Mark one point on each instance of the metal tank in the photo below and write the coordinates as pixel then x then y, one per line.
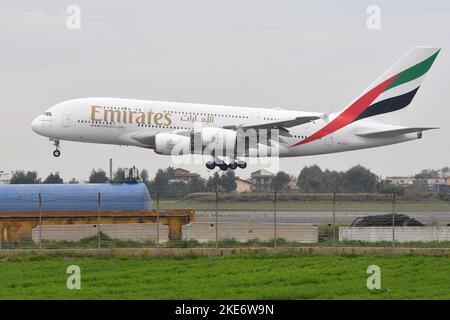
pixel 74 197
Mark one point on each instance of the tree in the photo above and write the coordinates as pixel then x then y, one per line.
pixel 359 179
pixel 332 181
pixel 310 179
pixel 144 176
pixel 176 189
pixel 160 184
pixel 196 184
pixel 119 174
pixel 389 188
pixel 73 181
pixel 53 178
pixel 30 177
pixel 427 174
pixel 280 181
pixel 212 185
pixel 228 181
pixel 98 176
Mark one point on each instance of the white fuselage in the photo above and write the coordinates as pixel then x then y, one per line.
pixel 116 121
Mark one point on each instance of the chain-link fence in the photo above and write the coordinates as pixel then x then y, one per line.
pixel 236 220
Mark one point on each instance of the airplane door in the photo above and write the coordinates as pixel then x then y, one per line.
pixel 66 120
pixel 256 117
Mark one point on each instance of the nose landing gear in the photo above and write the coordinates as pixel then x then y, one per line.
pixel 56 152
pixel 234 164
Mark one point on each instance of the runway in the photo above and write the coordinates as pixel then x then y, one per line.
pixel 316 217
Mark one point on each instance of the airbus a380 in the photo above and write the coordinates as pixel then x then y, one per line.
pixel 171 128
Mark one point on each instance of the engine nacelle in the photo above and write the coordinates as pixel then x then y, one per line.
pixel 172 144
pixel 218 141
pixel 208 141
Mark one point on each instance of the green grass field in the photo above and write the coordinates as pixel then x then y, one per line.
pixel 280 276
pixel 294 205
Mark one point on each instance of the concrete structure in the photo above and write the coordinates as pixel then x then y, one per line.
pixel 18 226
pixel 182 175
pixel 76 232
pixel 402 234
pixel 402 181
pixel 243 185
pixel 5 177
pixel 74 197
pixel 292 185
pixel 247 231
pixel 261 180
pixel 438 181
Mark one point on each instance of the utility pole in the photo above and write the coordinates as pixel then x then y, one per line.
pixel 334 219
pixel 110 169
pixel 40 221
pixel 275 218
pixel 393 219
pixel 98 213
pixel 217 218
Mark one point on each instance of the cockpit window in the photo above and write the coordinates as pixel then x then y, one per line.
pixel 48 114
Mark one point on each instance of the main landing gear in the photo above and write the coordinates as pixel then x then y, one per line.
pixel 56 152
pixel 224 166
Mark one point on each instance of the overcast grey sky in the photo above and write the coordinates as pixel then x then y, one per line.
pixel 300 55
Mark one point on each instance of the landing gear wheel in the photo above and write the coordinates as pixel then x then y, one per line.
pixel 233 165
pixel 223 166
pixel 56 153
pixel 210 165
pixel 242 164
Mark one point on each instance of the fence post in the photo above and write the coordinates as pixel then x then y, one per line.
pixel 157 228
pixel 275 218
pixel 334 219
pixel 393 219
pixel 217 219
pixel 98 224
pixel 40 220
pixel 157 219
pixel 157 201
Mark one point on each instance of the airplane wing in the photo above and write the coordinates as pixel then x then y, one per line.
pixel 391 133
pixel 275 124
pixel 148 138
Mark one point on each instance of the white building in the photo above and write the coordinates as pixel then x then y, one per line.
pixel 435 182
pixel 401 181
pixel 5 177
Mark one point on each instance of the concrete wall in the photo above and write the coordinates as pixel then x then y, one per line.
pixel 243 232
pixel 402 234
pixel 76 232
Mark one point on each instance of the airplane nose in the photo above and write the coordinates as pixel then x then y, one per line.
pixel 36 124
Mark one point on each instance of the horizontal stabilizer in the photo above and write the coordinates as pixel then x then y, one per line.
pixel 391 133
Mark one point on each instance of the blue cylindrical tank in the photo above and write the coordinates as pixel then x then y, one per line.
pixel 74 197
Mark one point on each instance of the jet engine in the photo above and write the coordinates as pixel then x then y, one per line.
pixel 208 141
pixel 172 144
pixel 218 141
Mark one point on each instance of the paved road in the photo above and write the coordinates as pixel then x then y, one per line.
pixel 318 217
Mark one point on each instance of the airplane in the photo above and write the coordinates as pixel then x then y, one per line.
pixel 172 128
